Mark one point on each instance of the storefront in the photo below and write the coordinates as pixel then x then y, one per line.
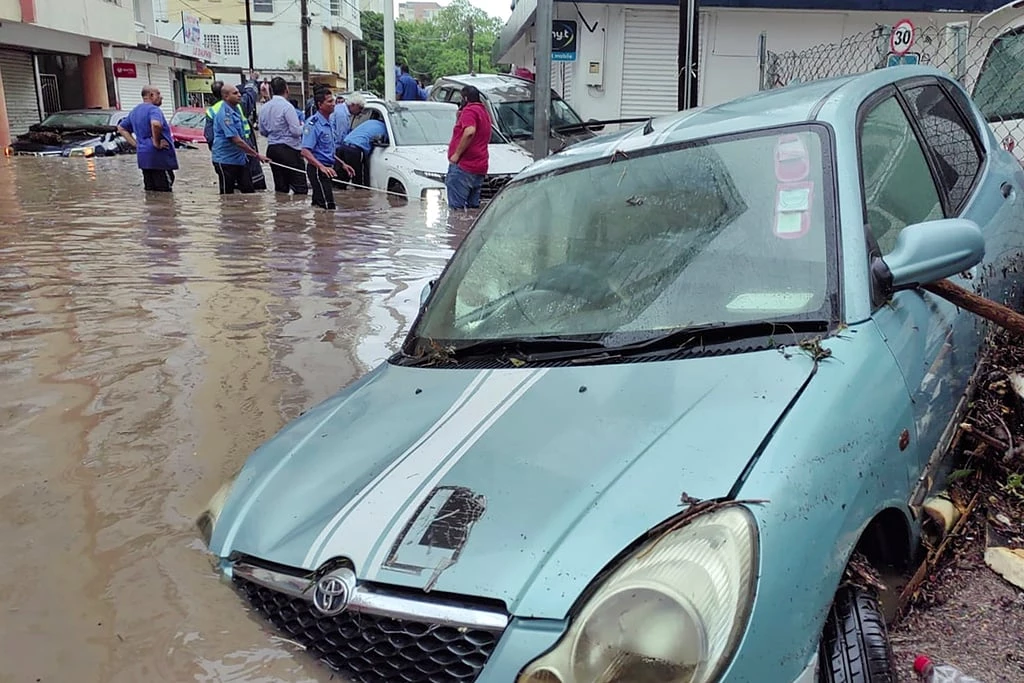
pixel 133 69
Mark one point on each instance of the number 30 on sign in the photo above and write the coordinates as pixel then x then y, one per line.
pixel 902 37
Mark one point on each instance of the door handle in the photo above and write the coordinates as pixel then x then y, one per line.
pixel 1006 189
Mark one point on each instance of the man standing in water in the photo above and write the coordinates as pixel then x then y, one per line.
pixel 318 149
pixel 146 129
pixel 280 123
pixel 231 152
pixel 467 152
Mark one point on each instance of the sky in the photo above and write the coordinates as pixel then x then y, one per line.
pixel 496 8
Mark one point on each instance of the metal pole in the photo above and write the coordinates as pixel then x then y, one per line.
pixel 350 74
pixel 304 28
pixel 389 50
pixel 248 32
pixel 542 79
pixel 689 17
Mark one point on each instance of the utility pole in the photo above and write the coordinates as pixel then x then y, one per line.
pixel 304 21
pixel 469 29
pixel 389 50
pixel 248 33
pixel 542 79
pixel 689 18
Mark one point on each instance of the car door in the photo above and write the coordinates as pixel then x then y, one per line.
pixel 380 162
pixel 922 159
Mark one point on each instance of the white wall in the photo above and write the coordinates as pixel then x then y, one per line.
pixel 729 56
pixel 96 19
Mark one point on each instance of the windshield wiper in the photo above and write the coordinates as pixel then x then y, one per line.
pixel 519 348
pixel 686 337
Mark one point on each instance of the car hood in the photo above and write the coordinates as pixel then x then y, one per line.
pixel 503 159
pixel 515 484
pixel 40 141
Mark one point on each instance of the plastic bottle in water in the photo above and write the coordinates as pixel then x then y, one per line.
pixel 930 672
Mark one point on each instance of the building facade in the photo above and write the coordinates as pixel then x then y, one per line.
pixel 625 59
pixel 418 11
pixel 276 37
pixel 63 54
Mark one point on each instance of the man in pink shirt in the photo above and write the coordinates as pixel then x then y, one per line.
pixel 467 152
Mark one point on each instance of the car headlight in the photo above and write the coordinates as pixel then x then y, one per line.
pixel 437 177
pixel 208 520
pixel 672 612
pixel 82 152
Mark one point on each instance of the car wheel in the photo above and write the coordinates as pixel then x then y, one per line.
pixel 396 187
pixel 855 644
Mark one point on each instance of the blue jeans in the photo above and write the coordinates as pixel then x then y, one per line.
pixel 463 188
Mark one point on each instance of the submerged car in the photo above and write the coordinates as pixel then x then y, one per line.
pixel 509 100
pixel 74 132
pixel 187 125
pixel 670 383
pixel 414 159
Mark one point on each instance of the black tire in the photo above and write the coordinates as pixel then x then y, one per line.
pixel 855 643
pixel 397 187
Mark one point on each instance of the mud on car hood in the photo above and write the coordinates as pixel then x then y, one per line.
pixel 513 484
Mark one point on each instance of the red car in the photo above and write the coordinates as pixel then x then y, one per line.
pixel 187 124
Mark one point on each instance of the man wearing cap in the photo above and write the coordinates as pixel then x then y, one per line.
pixel 467 152
pixel 318 149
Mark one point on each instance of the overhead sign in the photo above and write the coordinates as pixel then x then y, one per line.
pixel 902 37
pixel 563 40
pixel 124 70
pixel 191 33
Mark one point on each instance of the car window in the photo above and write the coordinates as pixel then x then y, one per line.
pixel 423 126
pixel 82 119
pixel 895 177
pixel 454 96
pixel 951 139
pixel 188 119
pixel 999 92
pixel 713 232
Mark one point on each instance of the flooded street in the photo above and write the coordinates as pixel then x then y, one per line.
pixel 147 345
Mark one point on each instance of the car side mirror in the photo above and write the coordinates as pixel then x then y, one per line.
pixel 425 292
pixel 596 128
pixel 933 250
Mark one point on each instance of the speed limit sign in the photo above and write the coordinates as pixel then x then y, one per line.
pixel 902 37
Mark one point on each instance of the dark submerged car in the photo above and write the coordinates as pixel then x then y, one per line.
pixel 74 132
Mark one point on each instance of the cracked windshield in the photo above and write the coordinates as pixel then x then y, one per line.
pixel 327 355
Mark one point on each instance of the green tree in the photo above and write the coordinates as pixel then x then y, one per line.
pixel 434 48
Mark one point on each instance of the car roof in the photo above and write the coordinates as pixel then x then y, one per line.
pixel 393 106
pixel 790 105
pixel 505 86
pixel 198 110
pixel 87 111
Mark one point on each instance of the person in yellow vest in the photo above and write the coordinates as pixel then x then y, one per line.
pixel 256 170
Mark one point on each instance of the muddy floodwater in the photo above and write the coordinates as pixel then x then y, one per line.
pixel 147 345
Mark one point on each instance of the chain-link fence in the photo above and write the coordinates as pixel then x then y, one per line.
pixel 986 61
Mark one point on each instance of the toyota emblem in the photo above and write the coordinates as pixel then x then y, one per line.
pixel 334 591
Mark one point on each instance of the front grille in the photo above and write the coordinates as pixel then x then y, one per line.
pixel 372 649
pixel 492 184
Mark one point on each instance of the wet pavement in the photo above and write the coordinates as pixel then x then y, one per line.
pixel 147 345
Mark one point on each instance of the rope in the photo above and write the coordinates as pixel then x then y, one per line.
pixel 345 182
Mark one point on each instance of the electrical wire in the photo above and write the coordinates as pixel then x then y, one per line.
pixel 345 182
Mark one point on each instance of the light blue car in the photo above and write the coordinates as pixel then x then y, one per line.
pixel 673 379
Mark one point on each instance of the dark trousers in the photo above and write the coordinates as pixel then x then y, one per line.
pixel 234 176
pixel 356 158
pixel 284 178
pixel 157 180
pixel 322 186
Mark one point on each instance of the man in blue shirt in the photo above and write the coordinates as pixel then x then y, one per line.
pixel 407 88
pixel 231 152
pixel 318 149
pixel 281 125
pixel 357 146
pixel 146 129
